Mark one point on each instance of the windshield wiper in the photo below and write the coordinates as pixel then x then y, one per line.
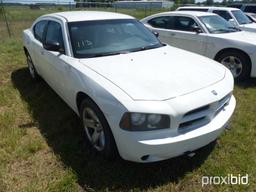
pixel 124 51
pixel 235 28
pixel 221 30
pixel 147 47
pixel 102 54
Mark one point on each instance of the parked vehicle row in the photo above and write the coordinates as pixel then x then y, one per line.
pixel 209 35
pixel 249 8
pixel 233 15
pixel 135 95
pixel 251 16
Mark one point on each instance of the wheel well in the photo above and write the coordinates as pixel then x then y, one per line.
pixel 230 50
pixel 79 99
pixel 80 96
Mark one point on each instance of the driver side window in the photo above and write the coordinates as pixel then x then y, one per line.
pixel 54 34
pixel 183 23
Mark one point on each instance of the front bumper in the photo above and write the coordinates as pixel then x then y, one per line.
pixel 163 144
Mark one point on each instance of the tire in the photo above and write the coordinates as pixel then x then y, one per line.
pixel 238 63
pixel 105 145
pixel 32 70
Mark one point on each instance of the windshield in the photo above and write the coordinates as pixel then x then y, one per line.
pixel 241 17
pixel 110 37
pixel 216 24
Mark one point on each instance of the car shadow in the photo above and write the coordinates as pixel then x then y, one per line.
pixel 63 132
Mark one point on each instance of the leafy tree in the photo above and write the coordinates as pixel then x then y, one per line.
pixel 209 2
pixel 177 2
pixel 224 2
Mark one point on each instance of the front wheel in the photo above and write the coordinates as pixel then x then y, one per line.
pixel 98 133
pixel 237 62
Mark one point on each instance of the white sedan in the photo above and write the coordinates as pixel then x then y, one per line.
pixel 210 35
pixel 136 96
pixel 233 15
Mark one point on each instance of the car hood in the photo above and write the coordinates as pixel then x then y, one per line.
pixel 157 74
pixel 242 36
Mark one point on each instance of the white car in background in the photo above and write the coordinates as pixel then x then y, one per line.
pixel 235 16
pixel 210 35
pixel 251 16
pixel 136 96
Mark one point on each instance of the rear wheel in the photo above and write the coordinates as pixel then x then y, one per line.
pixel 31 68
pixel 237 62
pixel 97 130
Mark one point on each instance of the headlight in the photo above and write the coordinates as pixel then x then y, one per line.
pixel 144 121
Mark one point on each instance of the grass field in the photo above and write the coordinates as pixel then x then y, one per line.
pixel 42 146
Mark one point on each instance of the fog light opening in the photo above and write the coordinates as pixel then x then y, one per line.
pixel 144 157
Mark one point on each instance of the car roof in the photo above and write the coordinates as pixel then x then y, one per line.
pixel 219 8
pixel 192 13
pixel 73 16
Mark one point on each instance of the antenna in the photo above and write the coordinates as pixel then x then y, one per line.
pixel 5 18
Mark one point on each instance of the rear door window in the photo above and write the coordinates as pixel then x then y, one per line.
pixel 224 14
pixel 163 22
pixel 39 30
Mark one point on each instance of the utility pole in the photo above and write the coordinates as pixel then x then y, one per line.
pixel 5 18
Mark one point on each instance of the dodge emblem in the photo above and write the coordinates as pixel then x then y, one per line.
pixel 214 92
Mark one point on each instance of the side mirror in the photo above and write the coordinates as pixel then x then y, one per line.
pixel 155 33
pixel 232 22
pixel 52 46
pixel 197 29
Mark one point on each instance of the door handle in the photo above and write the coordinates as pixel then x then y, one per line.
pixel 42 52
pixel 173 34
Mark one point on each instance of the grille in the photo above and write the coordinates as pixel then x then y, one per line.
pixel 203 115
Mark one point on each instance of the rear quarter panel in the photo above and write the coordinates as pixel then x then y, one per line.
pixel 28 44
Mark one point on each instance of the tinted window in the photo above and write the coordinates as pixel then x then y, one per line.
pixel 250 9
pixel 39 30
pixel 184 23
pixel 161 22
pixel 54 33
pixel 193 9
pixel 223 14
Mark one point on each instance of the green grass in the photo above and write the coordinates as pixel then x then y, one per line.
pixel 42 146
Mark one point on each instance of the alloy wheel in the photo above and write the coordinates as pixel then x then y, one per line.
pixel 93 129
pixel 234 64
